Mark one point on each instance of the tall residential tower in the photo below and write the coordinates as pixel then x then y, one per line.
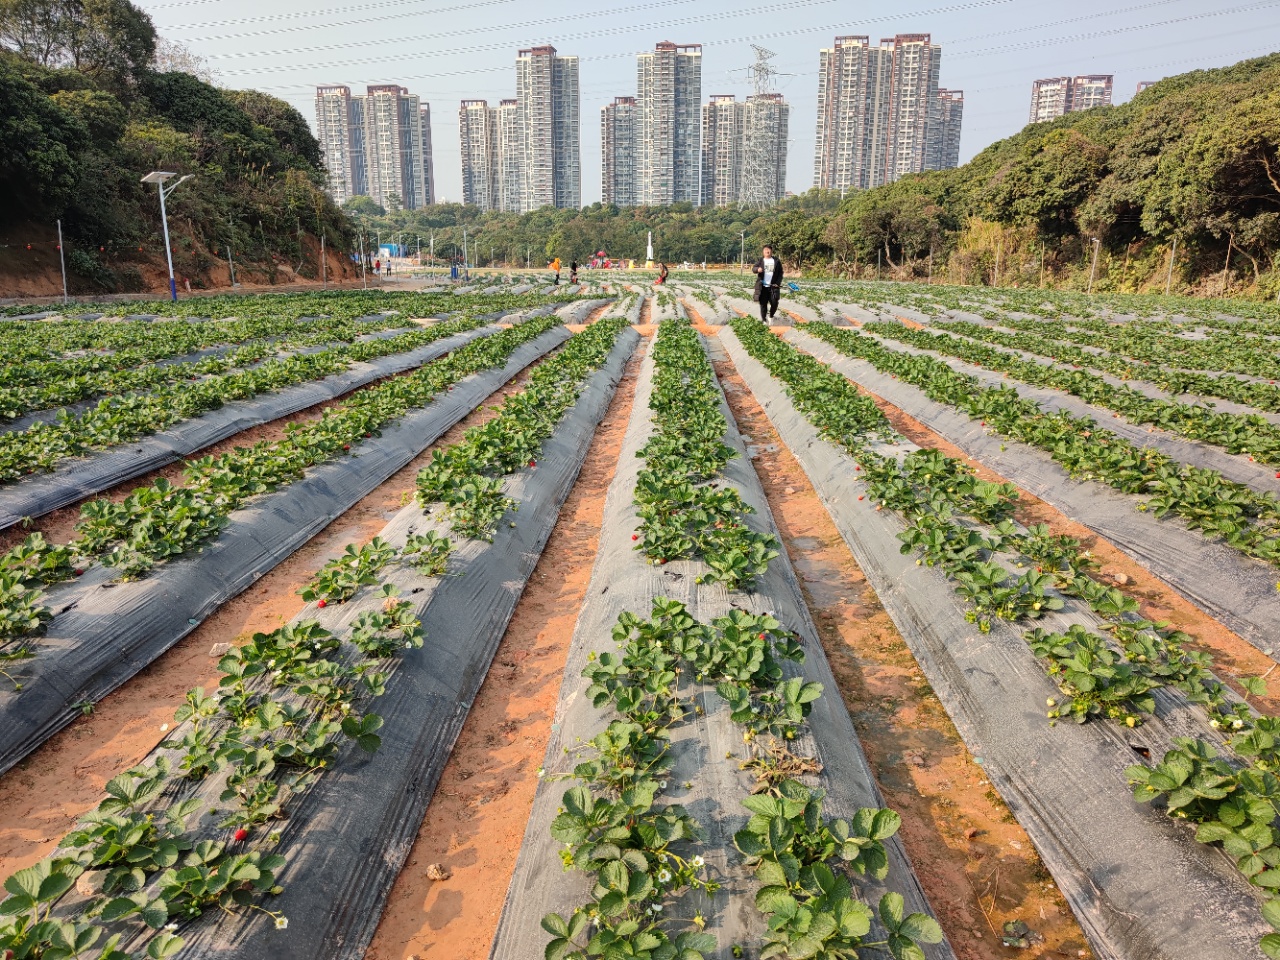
pixel 618 152
pixel 880 112
pixel 378 145
pixel 1053 97
pixel 668 118
pixel 548 117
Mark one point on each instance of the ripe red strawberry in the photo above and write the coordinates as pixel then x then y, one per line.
pixel 368 435
pixel 322 603
pixel 635 536
pixel 346 446
pixel 242 834
pixel 533 463
pixel 862 498
pixel 80 572
pixel 663 560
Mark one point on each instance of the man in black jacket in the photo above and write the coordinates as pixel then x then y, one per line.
pixel 768 271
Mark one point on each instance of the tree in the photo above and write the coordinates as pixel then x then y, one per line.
pixel 363 206
pixel 282 125
pixel 39 144
pixel 111 40
pixel 174 57
pixel 1047 182
pixel 194 106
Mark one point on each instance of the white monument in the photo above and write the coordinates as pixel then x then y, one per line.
pixel 648 257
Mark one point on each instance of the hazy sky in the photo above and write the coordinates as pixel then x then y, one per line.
pixel 449 50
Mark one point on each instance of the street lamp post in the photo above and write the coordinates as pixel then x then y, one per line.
pixel 1094 269
pixel 159 177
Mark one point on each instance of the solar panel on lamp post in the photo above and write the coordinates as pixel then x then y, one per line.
pixel 159 178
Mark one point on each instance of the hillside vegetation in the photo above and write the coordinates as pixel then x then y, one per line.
pixel 1193 158
pixel 86 110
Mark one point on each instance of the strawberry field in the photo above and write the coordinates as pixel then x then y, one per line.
pixel 266 564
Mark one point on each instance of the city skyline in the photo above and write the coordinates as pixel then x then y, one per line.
pixel 995 49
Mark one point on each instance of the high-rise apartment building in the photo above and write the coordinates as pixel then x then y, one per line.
pixel 668 105
pixel 913 102
pixel 1091 91
pixel 477 131
pixel 618 152
pixel 508 163
pixel 744 150
pixel 548 107
pixel 1050 98
pixel 492 152
pixel 721 150
pixel 1144 84
pixel 944 148
pixel 880 112
pixel 378 145
pixel 340 130
pixel 428 162
pixel 1054 97
pixel 396 168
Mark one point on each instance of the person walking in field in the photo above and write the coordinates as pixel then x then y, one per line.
pixel 555 268
pixel 768 271
pixel 573 271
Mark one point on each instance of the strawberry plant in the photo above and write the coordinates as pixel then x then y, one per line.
pixel 808 902
pixel 428 553
pixel 682 514
pixel 340 578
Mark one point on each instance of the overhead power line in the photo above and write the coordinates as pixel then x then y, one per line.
pixel 488 29
pixel 631 28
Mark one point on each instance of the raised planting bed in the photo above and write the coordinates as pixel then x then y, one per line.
pixel 102 631
pixel 1137 881
pixel 317 818
pixel 1238 591
pixel 75 479
pixel 712 760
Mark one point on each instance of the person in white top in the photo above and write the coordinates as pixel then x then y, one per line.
pixel 768 271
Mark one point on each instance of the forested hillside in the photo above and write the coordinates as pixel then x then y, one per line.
pixel 1193 158
pixel 86 110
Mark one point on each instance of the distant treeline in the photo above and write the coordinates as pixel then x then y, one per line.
pixel 1194 158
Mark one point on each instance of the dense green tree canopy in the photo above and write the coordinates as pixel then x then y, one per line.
pixel 84 114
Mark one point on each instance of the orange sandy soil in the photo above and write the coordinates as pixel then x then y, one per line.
pixel 44 795
pixel 476 822
pixel 976 864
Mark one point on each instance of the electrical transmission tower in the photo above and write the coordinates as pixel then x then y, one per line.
pixel 761 72
pixel 764 135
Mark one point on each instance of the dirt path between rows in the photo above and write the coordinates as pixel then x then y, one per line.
pixel 45 794
pixel 976 864
pixel 476 822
